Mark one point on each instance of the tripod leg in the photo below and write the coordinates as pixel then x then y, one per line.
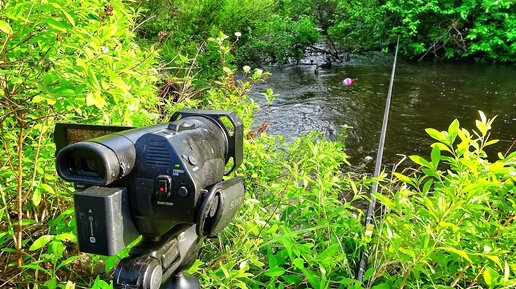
pixel 182 281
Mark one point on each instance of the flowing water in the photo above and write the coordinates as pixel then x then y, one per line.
pixel 425 95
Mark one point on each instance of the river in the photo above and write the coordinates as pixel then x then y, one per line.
pixel 425 95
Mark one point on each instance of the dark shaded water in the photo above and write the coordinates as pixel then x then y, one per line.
pixel 425 95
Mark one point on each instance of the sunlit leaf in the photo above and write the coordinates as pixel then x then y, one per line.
pixel 420 161
pixel 456 251
pixel 402 178
pixel 437 135
pixel 436 156
pixel 70 285
pixel 275 272
pixel 483 117
pixel 491 277
pixel 66 237
pixel 36 197
pixel 453 130
pixel 47 188
pixel 299 263
pixel 5 27
pixel 41 242
pixel 496 260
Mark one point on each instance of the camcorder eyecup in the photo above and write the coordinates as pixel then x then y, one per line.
pixel 97 162
pixel 88 163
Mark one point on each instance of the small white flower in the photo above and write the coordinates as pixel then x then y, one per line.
pixel 238 34
pixel 246 68
pixel 104 49
pixel 258 71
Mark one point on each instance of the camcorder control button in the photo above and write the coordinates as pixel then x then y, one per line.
pixel 192 160
pixel 173 127
pixel 163 187
pixel 182 191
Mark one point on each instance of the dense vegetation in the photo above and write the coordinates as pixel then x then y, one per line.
pixel 281 30
pixel 448 224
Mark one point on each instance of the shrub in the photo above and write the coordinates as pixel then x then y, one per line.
pixel 452 224
pixel 60 61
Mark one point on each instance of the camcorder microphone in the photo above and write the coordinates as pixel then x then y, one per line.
pixel 163 182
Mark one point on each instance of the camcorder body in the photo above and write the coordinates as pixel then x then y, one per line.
pixel 164 182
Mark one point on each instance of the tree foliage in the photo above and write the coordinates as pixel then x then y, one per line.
pixel 282 29
pixel 60 60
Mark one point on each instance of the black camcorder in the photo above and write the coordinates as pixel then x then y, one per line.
pixel 164 182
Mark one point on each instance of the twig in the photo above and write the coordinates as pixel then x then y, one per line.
pixel 19 192
pixel 510 147
pixel 134 29
pixel 36 157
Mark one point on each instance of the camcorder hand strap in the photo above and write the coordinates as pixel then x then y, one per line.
pixel 220 206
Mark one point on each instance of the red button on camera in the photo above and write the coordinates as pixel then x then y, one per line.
pixel 163 186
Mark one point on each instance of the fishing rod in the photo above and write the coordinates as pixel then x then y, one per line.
pixel 370 210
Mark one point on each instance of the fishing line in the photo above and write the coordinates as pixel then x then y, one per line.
pixel 370 210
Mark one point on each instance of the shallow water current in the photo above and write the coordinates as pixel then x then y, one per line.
pixel 425 95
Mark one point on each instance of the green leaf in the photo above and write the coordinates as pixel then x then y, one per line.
pixel 437 135
pixel 402 178
pixel 495 259
pixel 40 242
pixel 436 156
pixel 442 146
pixel 369 273
pixel 95 99
pixel 92 78
pixel 483 117
pixel 453 130
pixel 506 272
pixel 420 161
pixel 38 99
pixel 68 17
pixel 66 237
pixel 47 188
pixel 51 283
pixel 299 263
pixel 61 26
pixel 329 252
pixel 382 286
pixel 5 27
pixel 275 272
pixel 491 277
pixel 111 262
pixel 36 197
pixel 456 251
pixel 427 186
pixel 67 261
pixel 36 267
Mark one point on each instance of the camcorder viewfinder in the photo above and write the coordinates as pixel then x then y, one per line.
pixel 164 182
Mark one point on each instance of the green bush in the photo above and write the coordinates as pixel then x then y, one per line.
pixel 60 61
pixel 297 227
pixel 452 224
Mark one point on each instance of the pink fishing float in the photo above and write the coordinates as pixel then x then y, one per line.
pixel 349 81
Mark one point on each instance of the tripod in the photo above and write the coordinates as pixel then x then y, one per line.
pixel 154 264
